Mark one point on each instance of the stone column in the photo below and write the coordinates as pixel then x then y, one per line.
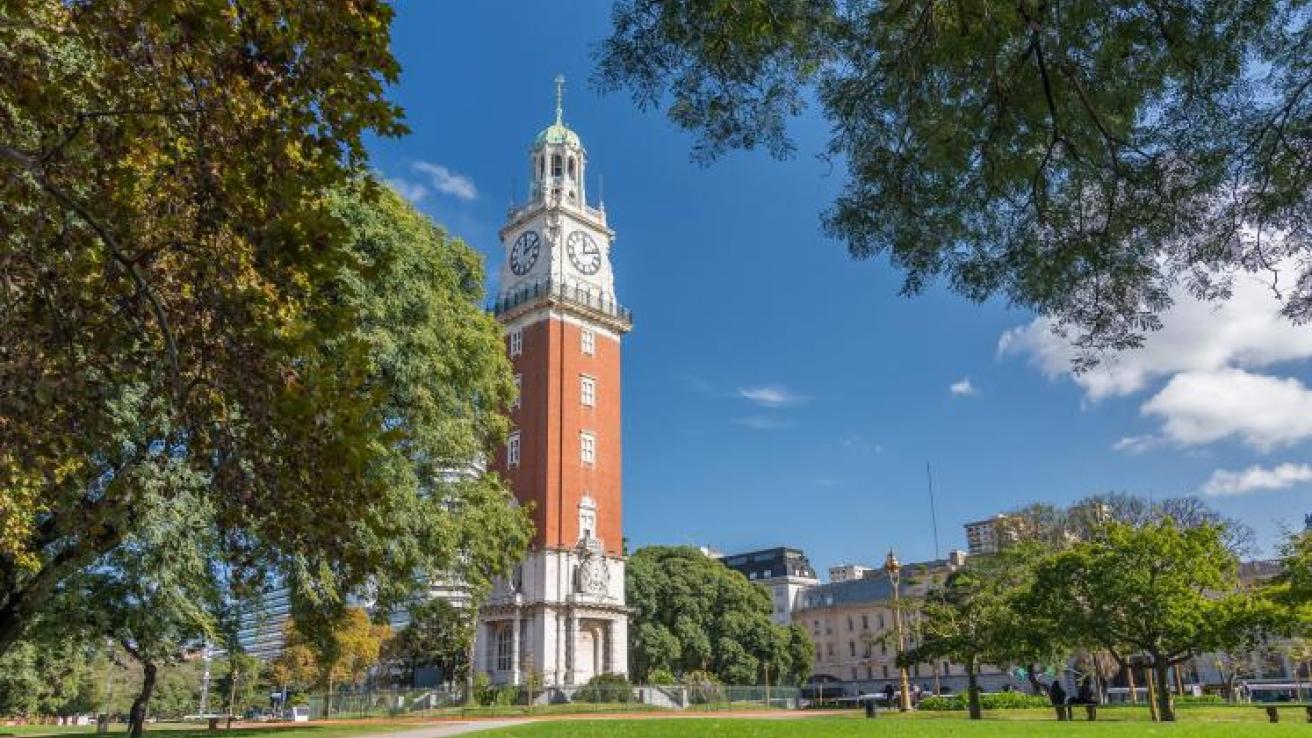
pixel 514 649
pixel 571 645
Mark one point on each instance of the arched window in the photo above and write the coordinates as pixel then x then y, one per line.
pixel 505 646
pixel 571 169
pixel 555 165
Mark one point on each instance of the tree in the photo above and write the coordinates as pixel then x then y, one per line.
pixel 1077 158
pixel 48 675
pixel 968 619
pixel 690 613
pixel 350 649
pixel 1165 592
pixel 164 267
pixel 439 634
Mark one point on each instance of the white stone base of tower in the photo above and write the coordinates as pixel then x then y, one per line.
pixel 561 617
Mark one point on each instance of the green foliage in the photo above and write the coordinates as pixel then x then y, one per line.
pixel 1157 589
pixel 1202 699
pixel 691 613
pixel 989 701
pixel 661 678
pixel 438 634
pixel 483 691
pixel 1075 158
pixel 165 250
pixel 55 676
pixel 703 688
pixel 607 688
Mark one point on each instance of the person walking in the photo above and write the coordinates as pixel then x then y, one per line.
pixel 1057 696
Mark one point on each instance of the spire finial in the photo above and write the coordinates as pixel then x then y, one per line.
pixel 560 98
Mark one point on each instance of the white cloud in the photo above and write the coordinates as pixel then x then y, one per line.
pixel 963 388
pixel 763 422
pixel 1245 331
pixel 1256 478
pixel 1197 408
pixel 446 181
pixel 412 191
pixel 772 395
pixel 860 444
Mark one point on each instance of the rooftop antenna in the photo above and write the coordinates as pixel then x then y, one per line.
pixel 601 191
pixel 560 99
pixel 933 515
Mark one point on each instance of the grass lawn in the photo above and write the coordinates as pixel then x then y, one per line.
pixel 192 730
pixel 1113 722
pixel 841 727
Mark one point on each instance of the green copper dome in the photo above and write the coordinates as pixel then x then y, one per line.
pixel 557 133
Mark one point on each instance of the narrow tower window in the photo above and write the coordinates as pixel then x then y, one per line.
pixel 571 169
pixel 516 343
pixel 588 341
pixel 519 390
pixel 555 165
pixel 587 448
pixel 587 518
pixel 512 449
pixel 587 390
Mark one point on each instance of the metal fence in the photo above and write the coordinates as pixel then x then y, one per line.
pixel 517 700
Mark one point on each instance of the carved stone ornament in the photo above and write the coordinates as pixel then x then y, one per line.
pixel 593 575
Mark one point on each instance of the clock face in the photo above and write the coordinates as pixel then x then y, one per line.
pixel 524 254
pixel 583 252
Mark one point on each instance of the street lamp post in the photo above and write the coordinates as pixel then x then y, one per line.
pixel 894 570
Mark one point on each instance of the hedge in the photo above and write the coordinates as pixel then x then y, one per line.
pixel 987 701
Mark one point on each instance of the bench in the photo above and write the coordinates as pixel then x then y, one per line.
pixel 1273 711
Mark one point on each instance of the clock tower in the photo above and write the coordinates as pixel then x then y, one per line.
pixel 562 615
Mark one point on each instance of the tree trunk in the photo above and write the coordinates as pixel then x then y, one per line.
pixel 232 694
pixel 1161 679
pixel 1134 688
pixel 137 717
pixel 972 691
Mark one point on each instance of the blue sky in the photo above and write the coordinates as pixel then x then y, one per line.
pixel 778 392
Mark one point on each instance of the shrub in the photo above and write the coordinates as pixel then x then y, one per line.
pixel 661 678
pixel 988 701
pixel 703 688
pixel 605 688
pixel 1206 699
pixel 484 693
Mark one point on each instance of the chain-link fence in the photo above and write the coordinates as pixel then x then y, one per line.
pixel 511 700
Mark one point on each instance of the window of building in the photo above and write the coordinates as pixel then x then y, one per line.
pixel 851 649
pixel 867 650
pixel 870 673
pixel 512 449
pixel 519 390
pixel 885 671
pixel 587 390
pixel 916 669
pixel 881 621
pixel 505 647
pixel 588 341
pixel 587 448
pixel 829 649
pixel 854 673
pixel 883 649
pixel 516 343
pixel 947 669
pixel 815 626
pixel 850 628
pixel 865 622
pixel 555 165
pixel 587 517
pixel 571 169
